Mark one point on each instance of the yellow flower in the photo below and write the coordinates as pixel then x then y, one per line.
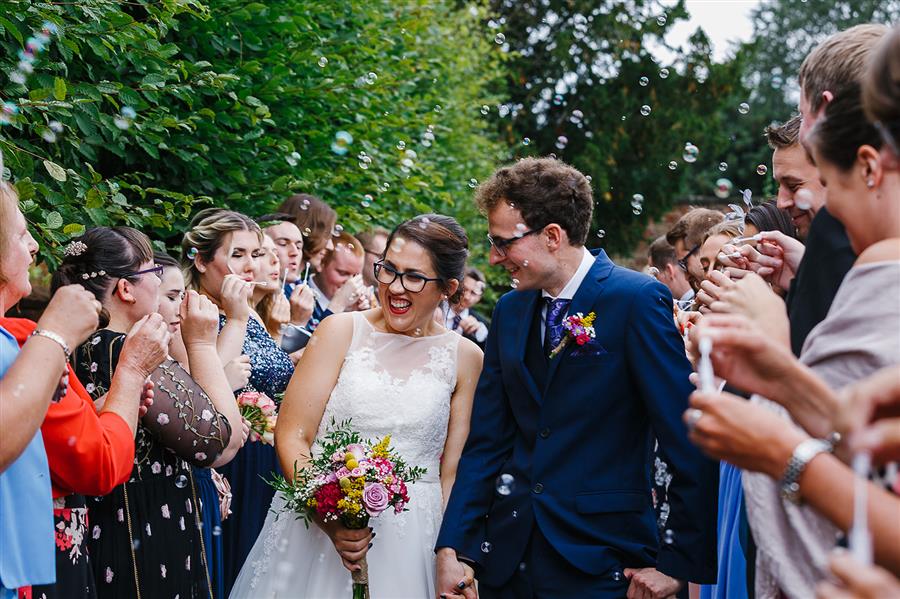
pixel 345 483
pixel 351 464
pixel 381 449
pixel 589 319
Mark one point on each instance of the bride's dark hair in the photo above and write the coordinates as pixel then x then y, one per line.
pixel 446 243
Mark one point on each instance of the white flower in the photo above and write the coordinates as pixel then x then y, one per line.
pixel 95 340
pixel 93 367
pixel 206 415
pixel 200 456
pixel 155 467
pixel 163 418
pixel 165 511
pixel 89 387
pixel 109 572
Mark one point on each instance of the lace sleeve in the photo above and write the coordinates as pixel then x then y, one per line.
pixel 183 418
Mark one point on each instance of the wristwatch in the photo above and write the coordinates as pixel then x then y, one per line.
pixel 803 454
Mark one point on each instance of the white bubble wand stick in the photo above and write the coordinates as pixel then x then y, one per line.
pixel 705 367
pixel 231 270
pixel 860 538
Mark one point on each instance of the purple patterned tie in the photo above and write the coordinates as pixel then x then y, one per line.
pixel 553 334
pixel 456 320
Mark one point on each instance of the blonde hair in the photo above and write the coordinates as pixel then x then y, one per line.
pixel 206 235
pixel 9 201
pixel 838 62
pixel 728 228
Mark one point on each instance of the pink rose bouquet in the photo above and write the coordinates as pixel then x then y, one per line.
pixel 351 480
pixel 261 412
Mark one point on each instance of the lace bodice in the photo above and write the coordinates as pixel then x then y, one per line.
pixel 396 385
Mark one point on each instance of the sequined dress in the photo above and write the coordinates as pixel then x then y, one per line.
pixel 271 370
pixel 388 384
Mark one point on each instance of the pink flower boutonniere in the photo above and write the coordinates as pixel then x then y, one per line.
pixel 579 328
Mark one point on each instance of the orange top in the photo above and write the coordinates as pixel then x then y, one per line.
pixel 88 453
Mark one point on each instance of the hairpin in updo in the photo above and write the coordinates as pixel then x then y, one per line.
pixel 93 275
pixel 75 248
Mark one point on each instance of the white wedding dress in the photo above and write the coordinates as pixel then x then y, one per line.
pixel 388 385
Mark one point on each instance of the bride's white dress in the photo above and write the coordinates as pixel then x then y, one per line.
pixel 388 384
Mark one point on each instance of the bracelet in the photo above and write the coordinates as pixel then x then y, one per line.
pixel 803 454
pixel 53 337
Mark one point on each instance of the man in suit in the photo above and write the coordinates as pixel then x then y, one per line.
pixel 461 317
pixel 552 493
pixel 661 257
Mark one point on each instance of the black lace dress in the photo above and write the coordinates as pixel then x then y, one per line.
pixel 144 537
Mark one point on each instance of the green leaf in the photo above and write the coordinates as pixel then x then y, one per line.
pixel 54 220
pixel 73 229
pixel 55 171
pixel 13 30
pixel 59 88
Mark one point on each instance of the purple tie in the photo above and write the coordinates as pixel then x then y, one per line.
pixel 556 310
pixel 456 320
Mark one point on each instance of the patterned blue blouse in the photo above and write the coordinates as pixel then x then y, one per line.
pixel 271 368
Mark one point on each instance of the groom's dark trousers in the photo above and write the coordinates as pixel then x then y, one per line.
pixel 575 432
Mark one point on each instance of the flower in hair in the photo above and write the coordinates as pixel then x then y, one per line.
pixel 75 248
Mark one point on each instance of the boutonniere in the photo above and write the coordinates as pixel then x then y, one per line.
pixel 579 328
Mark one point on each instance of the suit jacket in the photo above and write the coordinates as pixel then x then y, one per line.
pixel 485 322
pixel 827 259
pixel 576 434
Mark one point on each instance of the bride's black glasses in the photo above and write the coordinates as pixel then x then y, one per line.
pixel 411 281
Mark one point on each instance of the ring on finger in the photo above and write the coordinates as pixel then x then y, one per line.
pixel 693 416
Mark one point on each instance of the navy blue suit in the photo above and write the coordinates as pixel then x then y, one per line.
pixel 576 433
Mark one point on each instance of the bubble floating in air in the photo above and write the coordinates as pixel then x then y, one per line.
pixel 762 169
pixel 322 62
pixel 723 188
pixel 644 81
pixel 401 145
pixel 486 547
pixel 371 78
pixel 342 142
pixel 803 199
pixel 485 109
pixel 673 165
pixel 723 166
pixel 645 110
pixel 561 142
pixel 743 108
pixel 690 153
pixel 663 73
pixel 181 481
pixel 500 39
pixel 505 484
pixel 293 158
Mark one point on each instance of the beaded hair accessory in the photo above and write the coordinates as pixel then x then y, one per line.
pixel 75 248
pixel 93 275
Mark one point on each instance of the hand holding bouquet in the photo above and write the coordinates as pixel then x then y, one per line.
pixel 350 481
pixel 261 412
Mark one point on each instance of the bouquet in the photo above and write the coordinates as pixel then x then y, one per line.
pixel 261 412
pixel 350 480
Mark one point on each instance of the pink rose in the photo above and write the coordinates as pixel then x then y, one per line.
pixel 248 398
pixel 357 450
pixel 357 472
pixel 331 477
pixel 342 472
pixel 375 498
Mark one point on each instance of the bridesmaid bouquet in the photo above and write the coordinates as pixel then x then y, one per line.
pixel 261 412
pixel 351 480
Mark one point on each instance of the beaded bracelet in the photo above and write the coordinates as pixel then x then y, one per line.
pixel 53 337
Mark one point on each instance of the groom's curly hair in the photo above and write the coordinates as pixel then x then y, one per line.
pixel 544 191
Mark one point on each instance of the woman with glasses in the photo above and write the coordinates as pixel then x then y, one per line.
pixel 393 371
pixel 144 537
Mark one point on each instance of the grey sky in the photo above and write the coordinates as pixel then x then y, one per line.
pixel 724 21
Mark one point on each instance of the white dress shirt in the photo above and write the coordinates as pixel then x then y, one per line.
pixel 568 292
pixel 684 303
pixel 323 301
pixel 480 334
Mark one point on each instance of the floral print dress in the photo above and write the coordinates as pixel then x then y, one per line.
pixel 144 538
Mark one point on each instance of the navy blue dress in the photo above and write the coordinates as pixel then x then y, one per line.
pixel 255 462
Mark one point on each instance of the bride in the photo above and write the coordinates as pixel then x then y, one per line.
pixel 392 370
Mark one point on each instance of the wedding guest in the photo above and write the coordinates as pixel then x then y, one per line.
pixel 713 241
pixel 374 243
pixel 219 244
pixel 207 370
pixel 461 317
pixel 768 217
pixel 686 236
pixel 338 286
pixel 316 221
pixel 270 303
pixel 856 338
pixel 145 537
pixel 26 507
pixel 289 249
pixel 662 257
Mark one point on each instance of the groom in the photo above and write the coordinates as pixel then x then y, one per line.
pixel 552 494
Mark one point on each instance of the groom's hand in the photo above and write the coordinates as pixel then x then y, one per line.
pixel 650 583
pixel 455 580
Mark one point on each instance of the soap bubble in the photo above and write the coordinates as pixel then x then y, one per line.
pixel 723 166
pixel 411 154
pixel 576 117
pixel 181 481
pixel 406 165
pixel 322 62
pixel 342 142
pixel 762 169
pixel 364 160
pixel 55 126
pixel 522 567
pixel 473 183
pixel 192 253
pixel 135 544
pixel 485 109
pixel 690 152
pixel 48 136
pixel 367 200
pixel 401 145
pixel 803 199
pixel 437 108
pixel 601 234
pixel 500 39
pixel 486 547
pixel 743 108
pixel 217 531
pixel 661 20
pixel 673 165
pixel 617 576
pixel 669 536
pixel 663 73
pixel 637 199
pixel 371 78
pixel 637 209
pixel 293 158
pixel 644 81
pixel 514 283
pixel 520 230
pixel 505 484
pixel 561 142
pixel 645 110
pixel 515 513
pixel 526 141
pixel 557 99
pixel 723 188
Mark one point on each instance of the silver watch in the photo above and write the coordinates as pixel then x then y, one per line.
pixel 803 454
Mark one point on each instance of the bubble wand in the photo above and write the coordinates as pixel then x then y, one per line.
pixel 231 270
pixel 859 538
pixel 705 368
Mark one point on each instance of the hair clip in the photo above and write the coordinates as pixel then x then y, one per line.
pixel 93 275
pixel 75 248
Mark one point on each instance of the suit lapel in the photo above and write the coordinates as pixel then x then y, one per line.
pixel 524 330
pixel 583 302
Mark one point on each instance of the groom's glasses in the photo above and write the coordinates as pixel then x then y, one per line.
pixel 411 281
pixel 501 244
